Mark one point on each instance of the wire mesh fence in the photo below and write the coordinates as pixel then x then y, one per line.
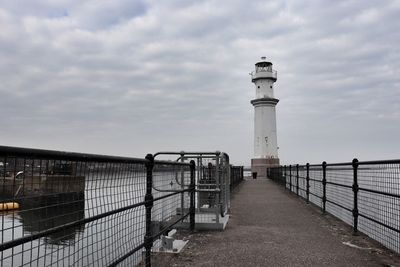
pixel 236 178
pixel 365 194
pixel 213 181
pixel 70 209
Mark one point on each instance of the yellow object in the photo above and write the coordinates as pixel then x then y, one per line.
pixel 9 206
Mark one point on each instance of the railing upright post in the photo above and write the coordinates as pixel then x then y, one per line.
pixel 182 185
pixel 308 182
pixel 231 177
pixel 324 186
pixel 279 174
pixel 192 194
pixel 290 177
pixel 297 179
pixel 284 174
pixel 149 201
pixel 355 191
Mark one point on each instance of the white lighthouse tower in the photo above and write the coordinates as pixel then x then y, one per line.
pixel 265 136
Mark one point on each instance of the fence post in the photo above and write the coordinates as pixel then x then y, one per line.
pixel 297 179
pixel 284 173
pixel 232 178
pixel 308 182
pixel 290 178
pixel 324 186
pixel 355 191
pixel 149 201
pixel 192 194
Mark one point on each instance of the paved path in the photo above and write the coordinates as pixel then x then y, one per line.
pixel 271 227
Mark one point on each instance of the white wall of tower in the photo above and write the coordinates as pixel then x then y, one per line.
pixel 265 135
pixel 264 88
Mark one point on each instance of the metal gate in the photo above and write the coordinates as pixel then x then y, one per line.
pixel 212 183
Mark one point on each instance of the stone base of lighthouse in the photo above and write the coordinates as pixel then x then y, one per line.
pixel 261 165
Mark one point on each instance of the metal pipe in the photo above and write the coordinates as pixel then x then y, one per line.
pixel 308 182
pixel 192 195
pixel 324 186
pixel 148 238
pixel 355 196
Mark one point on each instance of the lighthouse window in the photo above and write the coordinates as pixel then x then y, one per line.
pixel 258 86
pixel 270 86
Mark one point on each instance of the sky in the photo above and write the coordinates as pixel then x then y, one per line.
pixel 129 78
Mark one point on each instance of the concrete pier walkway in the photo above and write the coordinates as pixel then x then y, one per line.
pixel 271 227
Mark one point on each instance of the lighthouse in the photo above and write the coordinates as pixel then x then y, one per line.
pixel 265 135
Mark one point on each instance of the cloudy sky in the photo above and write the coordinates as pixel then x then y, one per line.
pixel 134 77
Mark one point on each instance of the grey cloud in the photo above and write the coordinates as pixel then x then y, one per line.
pixel 132 78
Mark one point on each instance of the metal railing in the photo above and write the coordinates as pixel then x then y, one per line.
pixel 264 73
pixel 212 183
pixel 72 209
pixel 365 194
pixel 237 173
